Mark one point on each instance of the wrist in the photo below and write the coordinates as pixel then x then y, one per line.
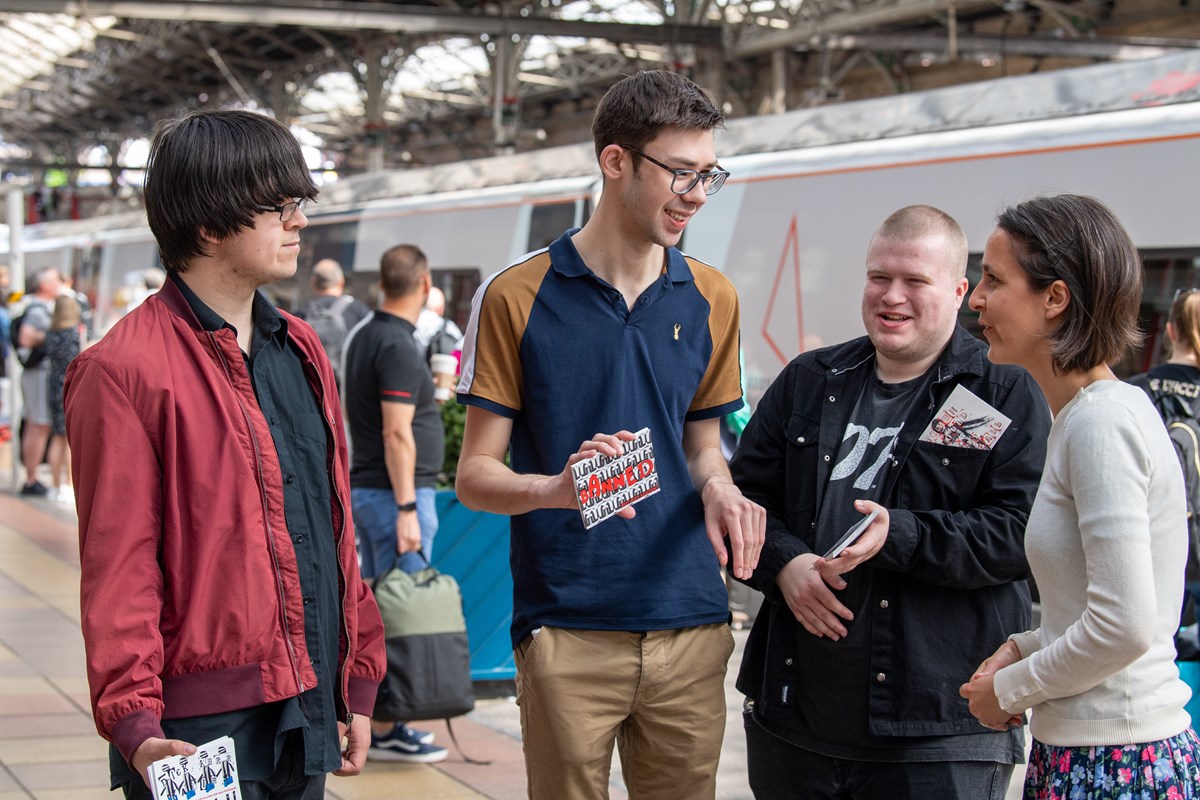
pixel 405 507
pixel 713 484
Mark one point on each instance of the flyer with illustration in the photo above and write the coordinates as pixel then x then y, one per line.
pixel 606 484
pixel 966 420
pixel 208 774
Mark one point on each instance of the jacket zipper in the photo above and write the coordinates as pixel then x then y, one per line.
pixel 331 464
pixel 262 493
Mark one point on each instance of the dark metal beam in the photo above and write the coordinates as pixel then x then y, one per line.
pixel 374 16
pixel 1132 48
pixel 754 43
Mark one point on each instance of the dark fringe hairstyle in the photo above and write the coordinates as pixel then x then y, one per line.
pixel 209 169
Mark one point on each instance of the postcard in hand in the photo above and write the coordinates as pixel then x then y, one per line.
pixel 606 484
pixel 967 421
pixel 209 774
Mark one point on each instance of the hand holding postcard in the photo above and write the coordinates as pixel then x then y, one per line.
pixel 606 484
pixel 967 421
pixel 208 774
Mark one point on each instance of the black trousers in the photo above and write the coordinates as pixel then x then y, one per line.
pixel 288 782
pixel 781 771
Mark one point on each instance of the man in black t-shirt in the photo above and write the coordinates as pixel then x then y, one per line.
pixel 397 445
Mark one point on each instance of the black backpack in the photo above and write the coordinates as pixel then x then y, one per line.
pixel 29 357
pixel 1185 435
pixel 1184 430
pixel 442 342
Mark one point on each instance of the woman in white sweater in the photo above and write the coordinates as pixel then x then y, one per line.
pixel 1107 535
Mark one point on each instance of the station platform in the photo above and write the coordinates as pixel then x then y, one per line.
pixel 49 749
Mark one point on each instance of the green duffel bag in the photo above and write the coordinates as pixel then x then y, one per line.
pixel 428 660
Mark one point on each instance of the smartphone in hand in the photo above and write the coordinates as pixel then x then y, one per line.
pixel 851 536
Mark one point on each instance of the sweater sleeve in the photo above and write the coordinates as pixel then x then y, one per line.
pixel 1104 468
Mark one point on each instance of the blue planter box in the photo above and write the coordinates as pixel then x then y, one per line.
pixel 473 547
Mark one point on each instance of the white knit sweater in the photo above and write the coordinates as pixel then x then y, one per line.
pixel 1106 540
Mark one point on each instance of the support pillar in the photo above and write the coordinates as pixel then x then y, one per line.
pixel 374 83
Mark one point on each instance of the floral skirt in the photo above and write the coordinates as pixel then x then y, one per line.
pixel 1166 769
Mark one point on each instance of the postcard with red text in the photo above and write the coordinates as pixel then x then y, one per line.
pixel 606 484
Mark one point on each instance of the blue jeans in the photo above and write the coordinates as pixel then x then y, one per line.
pixel 375 521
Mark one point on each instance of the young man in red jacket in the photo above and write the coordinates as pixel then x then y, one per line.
pixel 220 585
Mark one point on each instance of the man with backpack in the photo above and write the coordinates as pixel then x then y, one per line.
pixel 29 329
pixel 1174 387
pixel 332 312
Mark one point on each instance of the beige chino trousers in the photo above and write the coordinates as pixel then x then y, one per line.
pixel 658 695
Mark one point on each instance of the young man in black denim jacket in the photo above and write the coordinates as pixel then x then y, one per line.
pixel 852 667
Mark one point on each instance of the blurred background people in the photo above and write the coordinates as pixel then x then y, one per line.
pixel 1174 388
pixel 331 312
pixel 63 343
pixel 33 324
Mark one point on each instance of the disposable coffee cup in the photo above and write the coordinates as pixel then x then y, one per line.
pixel 443 364
pixel 444 369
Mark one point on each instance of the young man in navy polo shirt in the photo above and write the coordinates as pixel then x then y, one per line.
pixel 620 631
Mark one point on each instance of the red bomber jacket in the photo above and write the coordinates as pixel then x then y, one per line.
pixel 190 594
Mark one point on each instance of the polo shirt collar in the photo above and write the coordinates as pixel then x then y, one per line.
pixel 566 261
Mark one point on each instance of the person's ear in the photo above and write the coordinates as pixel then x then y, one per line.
pixel 612 161
pixel 1058 298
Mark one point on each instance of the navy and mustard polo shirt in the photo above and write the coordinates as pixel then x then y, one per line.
pixel 553 347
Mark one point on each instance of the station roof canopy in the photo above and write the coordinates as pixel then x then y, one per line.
pixel 436 80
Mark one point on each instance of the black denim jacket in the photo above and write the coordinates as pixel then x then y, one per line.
pixel 949 583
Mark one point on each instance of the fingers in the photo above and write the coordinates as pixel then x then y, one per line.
pixel 609 444
pixel 155 749
pixel 354 752
pixel 811 601
pixel 746 538
pixel 821 621
pixel 728 513
pixel 580 456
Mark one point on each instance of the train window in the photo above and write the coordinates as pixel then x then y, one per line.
pixel 547 223
pixel 1166 272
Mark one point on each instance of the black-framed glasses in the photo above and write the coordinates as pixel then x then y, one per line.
pixel 286 211
pixel 684 180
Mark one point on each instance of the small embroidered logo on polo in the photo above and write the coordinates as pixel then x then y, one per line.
pixel 677 327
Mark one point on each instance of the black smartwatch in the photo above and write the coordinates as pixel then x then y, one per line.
pixel 411 506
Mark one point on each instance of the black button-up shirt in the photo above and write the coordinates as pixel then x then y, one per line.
pixel 298 431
